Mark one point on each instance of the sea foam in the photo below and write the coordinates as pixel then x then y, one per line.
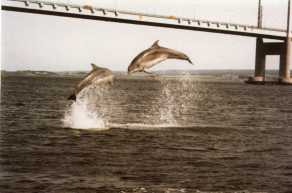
pixel 83 113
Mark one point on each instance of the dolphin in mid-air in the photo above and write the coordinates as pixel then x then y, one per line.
pixel 97 75
pixel 154 55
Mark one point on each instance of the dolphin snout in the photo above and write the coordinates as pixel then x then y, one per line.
pixel 130 71
pixel 189 60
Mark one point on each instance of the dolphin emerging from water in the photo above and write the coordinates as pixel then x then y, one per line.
pixel 154 55
pixel 97 75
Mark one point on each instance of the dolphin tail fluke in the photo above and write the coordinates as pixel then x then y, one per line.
pixel 72 97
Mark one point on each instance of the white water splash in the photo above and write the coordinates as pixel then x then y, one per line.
pixel 168 105
pixel 83 113
pixel 175 99
pixel 187 85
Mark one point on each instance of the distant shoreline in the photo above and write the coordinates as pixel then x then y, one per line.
pixel 179 72
pixel 214 75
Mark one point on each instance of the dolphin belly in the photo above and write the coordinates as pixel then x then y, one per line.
pixel 148 63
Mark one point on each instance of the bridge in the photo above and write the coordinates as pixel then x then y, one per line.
pixel 280 47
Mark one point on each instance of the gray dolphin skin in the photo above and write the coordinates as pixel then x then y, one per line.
pixel 97 75
pixel 154 55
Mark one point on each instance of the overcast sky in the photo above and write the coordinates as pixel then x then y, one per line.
pixel 38 42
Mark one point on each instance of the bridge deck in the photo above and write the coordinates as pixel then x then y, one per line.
pixel 111 15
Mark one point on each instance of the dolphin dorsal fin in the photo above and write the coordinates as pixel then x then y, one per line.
pixel 94 67
pixel 155 44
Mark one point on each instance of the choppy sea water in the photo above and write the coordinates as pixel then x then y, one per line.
pixel 153 135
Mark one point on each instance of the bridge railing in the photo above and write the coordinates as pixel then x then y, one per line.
pixel 146 18
pixel 104 11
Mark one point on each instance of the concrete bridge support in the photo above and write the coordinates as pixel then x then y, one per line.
pixel 260 61
pixel 285 59
pixel 272 48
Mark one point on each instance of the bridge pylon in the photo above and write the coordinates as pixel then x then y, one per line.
pixel 272 48
pixel 285 59
pixel 260 61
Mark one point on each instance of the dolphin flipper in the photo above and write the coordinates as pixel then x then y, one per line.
pixel 110 83
pixel 147 72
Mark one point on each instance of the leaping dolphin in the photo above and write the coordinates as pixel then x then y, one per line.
pixel 154 55
pixel 97 75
